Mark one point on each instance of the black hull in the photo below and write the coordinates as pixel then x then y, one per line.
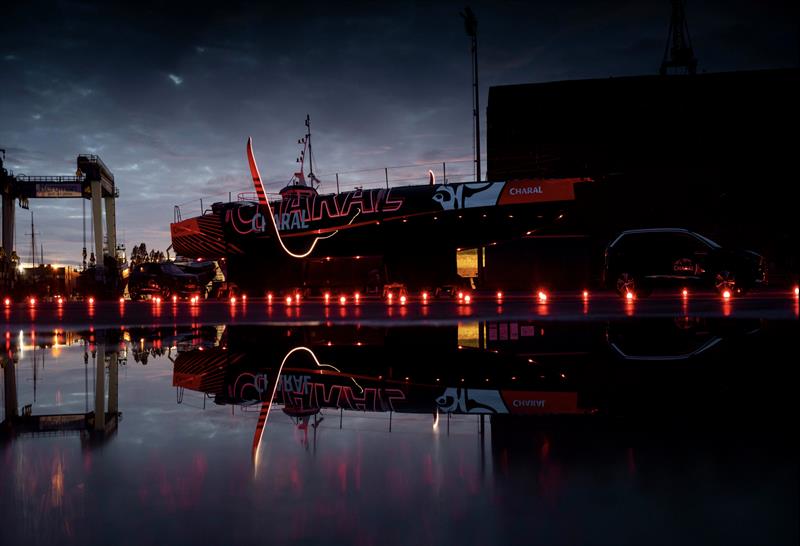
pixel 414 244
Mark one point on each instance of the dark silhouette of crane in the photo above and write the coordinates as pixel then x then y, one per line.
pixel 678 53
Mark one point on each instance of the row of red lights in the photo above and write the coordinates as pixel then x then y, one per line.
pixel 463 297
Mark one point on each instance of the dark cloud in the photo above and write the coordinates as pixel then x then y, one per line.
pixel 166 93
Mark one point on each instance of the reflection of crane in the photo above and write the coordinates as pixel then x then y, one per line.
pixel 97 425
pixel 678 53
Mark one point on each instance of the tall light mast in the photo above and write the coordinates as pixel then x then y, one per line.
pixel 471 26
pixel 678 53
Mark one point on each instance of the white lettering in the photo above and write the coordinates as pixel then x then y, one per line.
pixel 291 220
pixel 528 190
pixel 528 403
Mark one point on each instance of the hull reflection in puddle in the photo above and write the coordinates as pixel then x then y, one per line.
pixel 479 432
pixel 626 371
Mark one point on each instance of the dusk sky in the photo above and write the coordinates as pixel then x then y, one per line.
pixel 167 96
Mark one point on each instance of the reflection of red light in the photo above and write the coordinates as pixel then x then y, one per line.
pixel 726 294
pixel 542 295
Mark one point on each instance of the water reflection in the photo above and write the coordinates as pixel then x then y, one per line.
pixel 477 432
pixel 93 427
pixel 656 368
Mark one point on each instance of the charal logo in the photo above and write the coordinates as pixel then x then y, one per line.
pixel 537 191
pixel 527 190
pixel 529 404
pixel 287 221
pixel 538 402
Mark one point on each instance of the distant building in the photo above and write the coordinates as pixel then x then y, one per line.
pixel 712 123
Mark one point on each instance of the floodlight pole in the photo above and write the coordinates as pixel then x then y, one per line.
pixel 471 27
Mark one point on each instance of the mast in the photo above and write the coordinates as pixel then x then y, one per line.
pixel 300 176
pixel 471 27
pixel 308 140
pixel 311 176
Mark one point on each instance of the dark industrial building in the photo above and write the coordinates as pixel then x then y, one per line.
pixel 715 153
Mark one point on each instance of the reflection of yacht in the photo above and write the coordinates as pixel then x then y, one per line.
pixel 517 368
pixel 406 370
pixel 304 371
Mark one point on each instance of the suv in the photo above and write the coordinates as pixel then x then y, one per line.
pixel 162 279
pixel 639 259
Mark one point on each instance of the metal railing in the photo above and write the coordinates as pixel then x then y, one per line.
pixel 445 172
pixel 49 179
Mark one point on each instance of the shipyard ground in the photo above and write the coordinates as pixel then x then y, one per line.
pixel 770 304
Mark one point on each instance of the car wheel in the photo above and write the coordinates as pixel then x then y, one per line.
pixel 725 280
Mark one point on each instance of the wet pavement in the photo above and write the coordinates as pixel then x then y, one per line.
pixel 672 422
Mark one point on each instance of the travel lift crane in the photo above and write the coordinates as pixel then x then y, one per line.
pixel 92 180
